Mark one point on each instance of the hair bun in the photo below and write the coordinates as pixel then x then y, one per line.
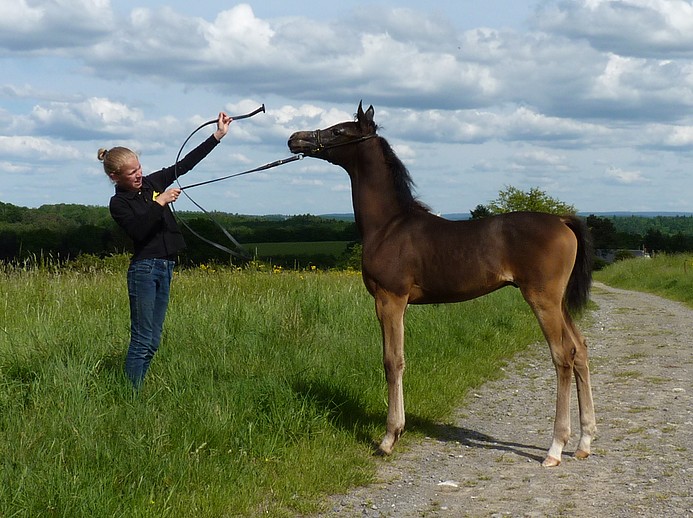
pixel 101 155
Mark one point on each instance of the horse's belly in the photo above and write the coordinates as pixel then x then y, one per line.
pixel 446 294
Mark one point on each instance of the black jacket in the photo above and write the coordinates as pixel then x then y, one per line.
pixel 153 228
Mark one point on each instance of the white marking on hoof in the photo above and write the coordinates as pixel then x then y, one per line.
pixel 551 462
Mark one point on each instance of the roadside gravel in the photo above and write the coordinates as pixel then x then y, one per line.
pixel 487 460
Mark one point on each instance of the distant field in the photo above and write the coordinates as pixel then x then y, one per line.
pixel 263 250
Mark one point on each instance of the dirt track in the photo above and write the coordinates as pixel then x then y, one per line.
pixel 486 461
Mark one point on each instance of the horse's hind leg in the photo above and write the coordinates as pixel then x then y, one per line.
pixel 588 426
pixel 390 309
pixel 550 316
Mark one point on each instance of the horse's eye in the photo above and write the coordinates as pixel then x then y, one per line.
pixel 336 132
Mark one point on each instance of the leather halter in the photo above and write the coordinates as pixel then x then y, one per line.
pixel 326 147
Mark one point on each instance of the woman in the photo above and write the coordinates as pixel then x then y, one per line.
pixel 141 207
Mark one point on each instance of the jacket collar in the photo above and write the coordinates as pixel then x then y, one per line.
pixel 132 194
pixel 128 194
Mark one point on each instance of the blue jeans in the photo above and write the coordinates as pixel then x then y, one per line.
pixel 149 283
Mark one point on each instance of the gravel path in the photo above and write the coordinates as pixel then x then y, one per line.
pixel 486 461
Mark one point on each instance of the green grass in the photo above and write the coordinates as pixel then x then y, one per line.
pixel 267 393
pixel 669 276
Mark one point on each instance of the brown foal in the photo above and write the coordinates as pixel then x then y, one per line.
pixel 411 256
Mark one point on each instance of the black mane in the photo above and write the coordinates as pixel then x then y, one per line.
pixel 401 178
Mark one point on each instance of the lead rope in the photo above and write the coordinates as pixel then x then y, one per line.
pixel 239 251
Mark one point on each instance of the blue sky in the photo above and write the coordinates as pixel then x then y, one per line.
pixel 588 100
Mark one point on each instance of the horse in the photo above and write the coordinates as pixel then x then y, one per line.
pixel 412 256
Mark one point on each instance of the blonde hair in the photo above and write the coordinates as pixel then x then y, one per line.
pixel 113 159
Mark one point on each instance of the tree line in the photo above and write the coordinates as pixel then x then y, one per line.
pixel 668 234
pixel 66 231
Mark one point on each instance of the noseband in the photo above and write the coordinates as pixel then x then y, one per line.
pixel 320 147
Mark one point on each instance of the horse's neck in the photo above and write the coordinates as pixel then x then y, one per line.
pixel 373 193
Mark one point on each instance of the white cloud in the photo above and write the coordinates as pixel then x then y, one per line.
pixel 591 82
pixel 35 148
pixel 52 24
pixel 91 118
pixel 238 36
pixel 626 27
pixel 306 181
pixel 625 177
pixel 541 158
pixel 91 111
pixel 681 136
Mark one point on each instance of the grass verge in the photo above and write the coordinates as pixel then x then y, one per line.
pixel 669 276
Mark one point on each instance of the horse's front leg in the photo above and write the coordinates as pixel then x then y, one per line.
pixel 390 309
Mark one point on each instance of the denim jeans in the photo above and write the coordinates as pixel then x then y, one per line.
pixel 149 283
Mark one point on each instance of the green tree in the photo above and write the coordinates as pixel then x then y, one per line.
pixel 512 199
pixel 603 231
pixel 481 211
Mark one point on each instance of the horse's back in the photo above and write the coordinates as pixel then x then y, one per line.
pixel 533 246
pixel 504 237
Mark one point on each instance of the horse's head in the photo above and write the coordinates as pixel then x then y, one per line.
pixel 320 143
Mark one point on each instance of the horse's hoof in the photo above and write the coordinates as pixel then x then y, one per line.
pixel 551 462
pixel 581 454
pixel 385 447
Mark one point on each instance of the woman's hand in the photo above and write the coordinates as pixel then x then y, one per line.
pixel 168 196
pixel 222 126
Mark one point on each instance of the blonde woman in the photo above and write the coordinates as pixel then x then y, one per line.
pixel 140 206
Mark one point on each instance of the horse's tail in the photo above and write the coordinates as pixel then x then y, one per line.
pixel 578 292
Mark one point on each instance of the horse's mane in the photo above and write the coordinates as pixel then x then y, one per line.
pixel 401 178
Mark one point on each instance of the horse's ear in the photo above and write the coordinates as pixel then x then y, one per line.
pixel 369 113
pixel 367 116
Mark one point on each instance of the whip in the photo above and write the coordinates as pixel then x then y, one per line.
pixel 239 251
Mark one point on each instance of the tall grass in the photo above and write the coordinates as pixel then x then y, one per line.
pixel 670 276
pixel 267 392
pixel 333 248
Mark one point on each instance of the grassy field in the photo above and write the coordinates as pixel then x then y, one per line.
pixel 267 393
pixel 669 276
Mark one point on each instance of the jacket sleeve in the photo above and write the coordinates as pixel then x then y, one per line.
pixel 136 227
pixel 165 177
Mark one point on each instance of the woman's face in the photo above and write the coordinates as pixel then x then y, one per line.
pixel 130 176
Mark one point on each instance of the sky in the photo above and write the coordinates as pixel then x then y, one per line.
pixel 588 100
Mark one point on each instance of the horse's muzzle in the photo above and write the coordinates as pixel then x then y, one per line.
pixel 303 142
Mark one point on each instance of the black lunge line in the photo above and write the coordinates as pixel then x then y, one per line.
pixel 261 168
